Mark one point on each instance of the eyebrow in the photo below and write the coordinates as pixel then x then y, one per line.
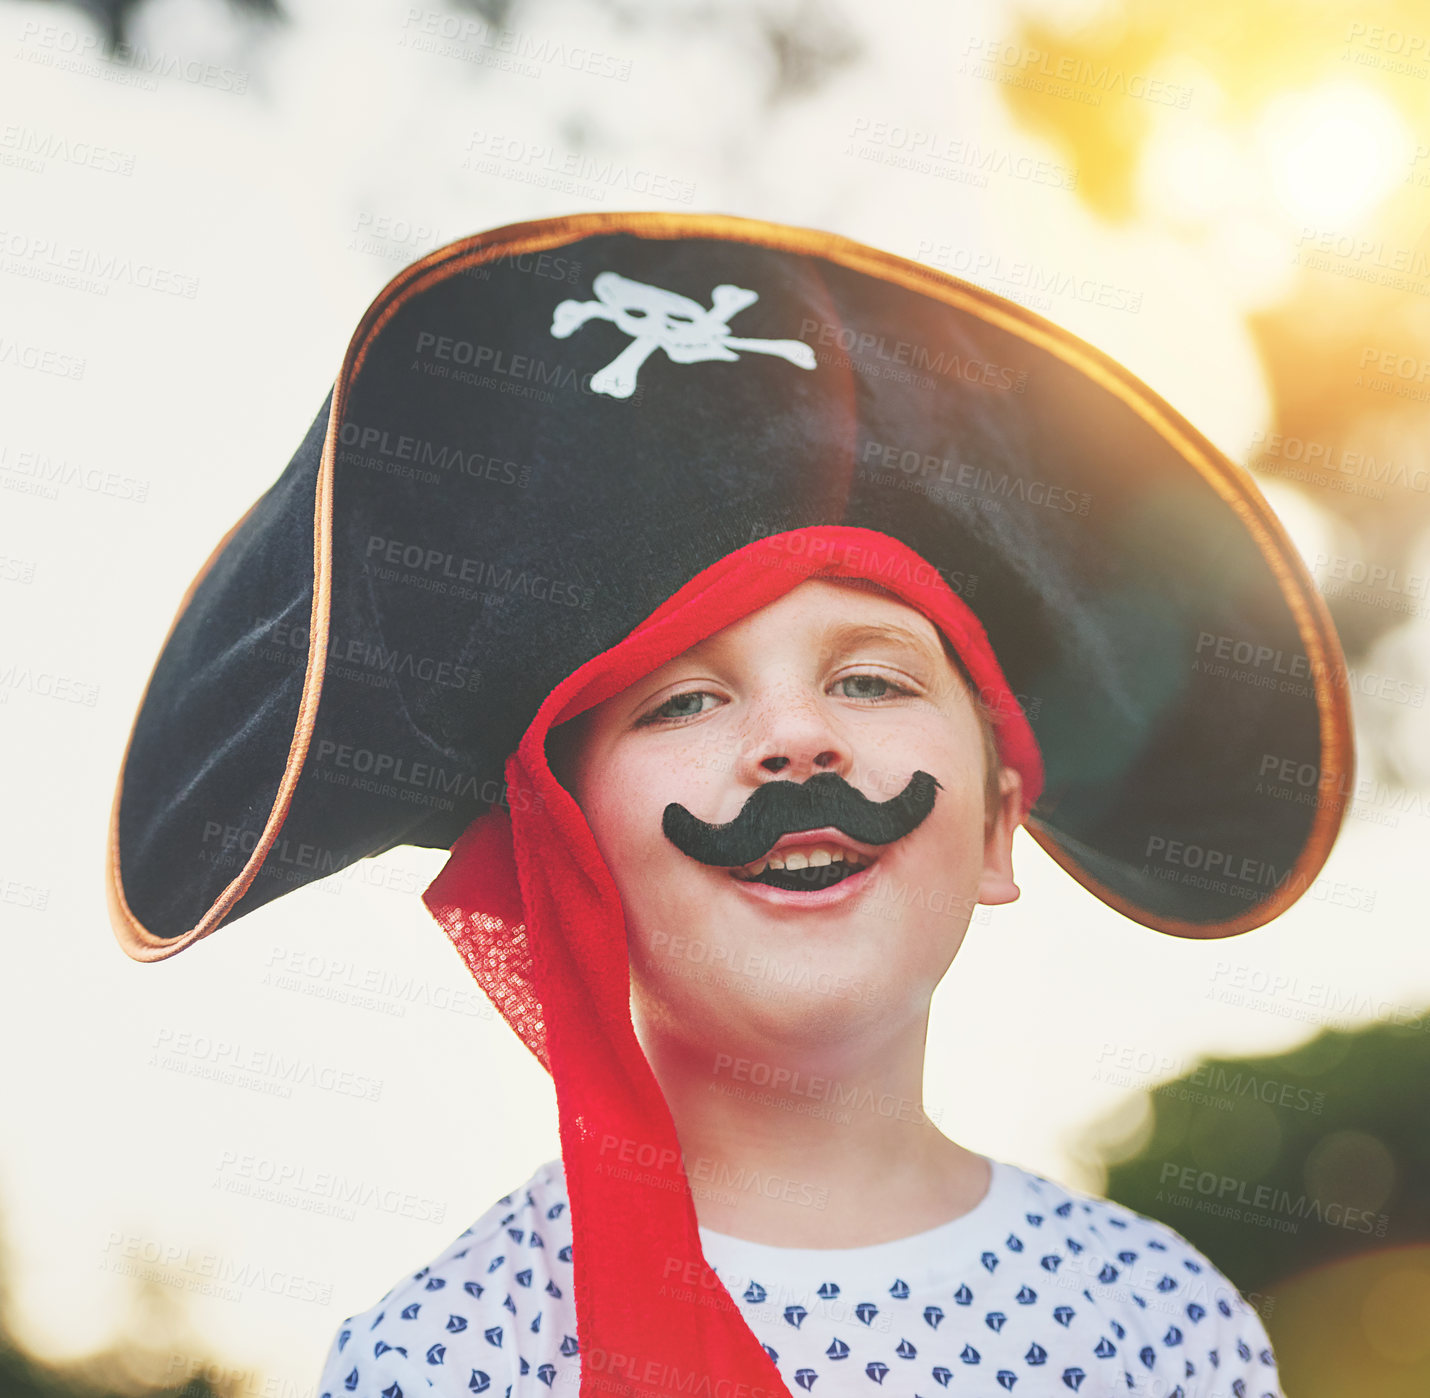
pixel 847 634
pixel 844 635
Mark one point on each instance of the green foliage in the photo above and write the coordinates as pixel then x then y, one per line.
pixel 129 1368
pixel 22 1376
pixel 1275 1165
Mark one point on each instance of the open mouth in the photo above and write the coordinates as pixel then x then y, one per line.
pixel 804 870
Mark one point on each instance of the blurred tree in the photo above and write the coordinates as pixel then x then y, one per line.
pixel 1310 1163
pixel 114 16
pixel 1296 1159
pixel 495 12
pixel 156 1358
pixel 1360 295
pixel 808 41
pixel 1242 55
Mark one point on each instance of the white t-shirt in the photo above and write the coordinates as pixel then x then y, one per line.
pixel 1036 1291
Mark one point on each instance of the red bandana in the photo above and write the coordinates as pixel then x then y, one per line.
pixel 531 906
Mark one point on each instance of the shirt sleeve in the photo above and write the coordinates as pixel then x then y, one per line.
pixel 361 1364
pixel 1239 1360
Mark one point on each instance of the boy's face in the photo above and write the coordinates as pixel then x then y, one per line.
pixel 827 678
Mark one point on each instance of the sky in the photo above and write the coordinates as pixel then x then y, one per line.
pixel 272 183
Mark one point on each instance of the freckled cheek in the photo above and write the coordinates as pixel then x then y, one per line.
pixel 626 821
pixel 961 846
pixel 612 812
pixel 886 765
pixel 957 816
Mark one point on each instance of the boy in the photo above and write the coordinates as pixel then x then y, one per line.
pixel 870 1252
pixel 743 555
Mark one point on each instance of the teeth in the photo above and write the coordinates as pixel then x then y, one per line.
pixel 813 857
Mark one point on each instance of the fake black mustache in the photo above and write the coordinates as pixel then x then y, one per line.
pixel 784 808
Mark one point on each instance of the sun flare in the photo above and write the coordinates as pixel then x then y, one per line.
pixel 1333 152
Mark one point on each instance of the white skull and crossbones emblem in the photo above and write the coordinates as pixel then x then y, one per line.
pixel 657 319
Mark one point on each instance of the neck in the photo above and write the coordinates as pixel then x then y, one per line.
pixel 810 1146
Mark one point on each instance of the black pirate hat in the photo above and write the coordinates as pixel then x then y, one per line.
pixel 540 433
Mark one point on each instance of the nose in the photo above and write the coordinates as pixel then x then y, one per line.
pixel 792 734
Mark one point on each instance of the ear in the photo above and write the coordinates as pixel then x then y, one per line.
pixel 996 885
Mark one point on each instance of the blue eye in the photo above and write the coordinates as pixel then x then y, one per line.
pixel 687 705
pixel 889 687
pixel 668 709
